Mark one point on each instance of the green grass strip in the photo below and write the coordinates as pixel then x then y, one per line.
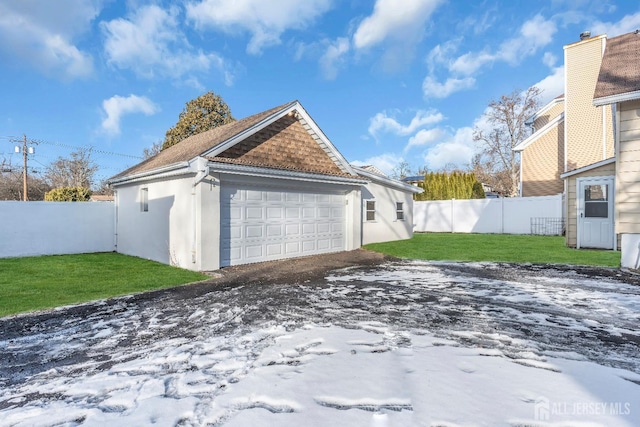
pixel 495 247
pixel 36 283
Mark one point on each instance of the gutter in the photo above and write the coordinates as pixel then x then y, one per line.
pixel 283 174
pixel 150 174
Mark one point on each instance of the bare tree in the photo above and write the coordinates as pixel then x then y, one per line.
pixel 401 170
pixel 75 171
pixel 498 165
pixel 11 184
pixel 149 152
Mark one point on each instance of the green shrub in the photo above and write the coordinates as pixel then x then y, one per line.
pixel 68 194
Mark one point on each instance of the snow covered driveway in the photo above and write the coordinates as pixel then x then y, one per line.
pixel 400 344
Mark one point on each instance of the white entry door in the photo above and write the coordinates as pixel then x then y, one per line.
pixel 595 212
pixel 260 224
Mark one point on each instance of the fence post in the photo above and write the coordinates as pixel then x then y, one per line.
pixel 452 226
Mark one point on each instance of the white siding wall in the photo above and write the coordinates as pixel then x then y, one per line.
pixel 386 227
pixel 164 233
pixel 501 216
pixel 55 228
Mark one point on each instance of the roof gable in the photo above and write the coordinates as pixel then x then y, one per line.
pixel 620 70
pixel 283 144
pixel 246 132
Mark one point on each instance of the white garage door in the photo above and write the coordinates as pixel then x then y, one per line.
pixel 269 224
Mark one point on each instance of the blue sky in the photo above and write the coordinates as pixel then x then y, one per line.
pixel 386 80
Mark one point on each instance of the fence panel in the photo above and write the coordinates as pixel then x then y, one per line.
pixel 51 228
pixel 499 216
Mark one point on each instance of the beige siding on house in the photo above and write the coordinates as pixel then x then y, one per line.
pixel 628 165
pixel 548 115
pixel 542 164
pixel 589 139
pixel 571 200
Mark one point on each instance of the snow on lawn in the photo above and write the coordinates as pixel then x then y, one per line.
pixel 424 344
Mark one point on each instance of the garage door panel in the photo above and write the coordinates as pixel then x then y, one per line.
pixel 275 230
pixel 292 197
pixel 292 213
pixel 273 196
pixel 324 244
pixel 269 224
pixel 252 195
pixel 308 229
pixel 253 251
pixel 274 249
pixel 274 213
pixel 253 213
pixel 292 248
pixel 253 231
pixel 324 212
pixel 323 227
pixel 292 230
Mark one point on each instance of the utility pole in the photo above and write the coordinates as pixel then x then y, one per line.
pixel 24 173
pixel 25 151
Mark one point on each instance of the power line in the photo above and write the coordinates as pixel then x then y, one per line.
pixel 93 150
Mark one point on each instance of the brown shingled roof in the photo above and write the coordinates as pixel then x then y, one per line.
pixel 284 144
pixel 196 145
pixel 620 69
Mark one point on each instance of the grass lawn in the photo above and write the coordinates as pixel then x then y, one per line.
pixel 35 283
pixel 495 247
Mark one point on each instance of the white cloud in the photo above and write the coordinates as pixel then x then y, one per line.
pixel 385 162
pixel 458 150
pixel 434 89
pixel 552 85
pixel 42 35
pixel 383 122
pixel 549 59
pixel 397 27
pixel 393 19
pixel 150 42
pixel 470 62
pixel 627 24
pixel 265 20
pixel 426 137
pixel 534 35
pixel 333 57
pixel 117 106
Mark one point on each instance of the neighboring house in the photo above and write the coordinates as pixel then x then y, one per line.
pixel 542 153
pixel 569 132
pixel 607 204
pixel 414 180
pixel 267 187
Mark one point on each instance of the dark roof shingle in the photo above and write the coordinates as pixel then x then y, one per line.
pixel 620 69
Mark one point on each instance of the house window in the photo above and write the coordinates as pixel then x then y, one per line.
pixel 400 211
pixel 144 199
pixel 371 210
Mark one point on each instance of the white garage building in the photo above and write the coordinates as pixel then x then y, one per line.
pixel 267 187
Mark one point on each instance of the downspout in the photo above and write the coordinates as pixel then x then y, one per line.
pixel 200 176
pixel 115 220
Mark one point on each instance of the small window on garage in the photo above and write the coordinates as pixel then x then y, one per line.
pixel 371 210
pixel 144 199
pixel 400 211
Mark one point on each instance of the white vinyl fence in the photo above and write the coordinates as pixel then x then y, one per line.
pixel 53 228
pixel 517 215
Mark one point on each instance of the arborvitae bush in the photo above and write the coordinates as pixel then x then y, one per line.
pixel 68 194
pixel 444 186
